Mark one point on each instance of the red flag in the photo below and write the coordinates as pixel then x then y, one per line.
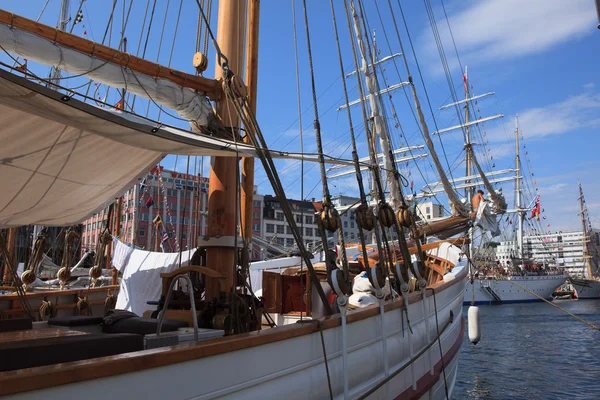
pixel 120 104
pixel 465 81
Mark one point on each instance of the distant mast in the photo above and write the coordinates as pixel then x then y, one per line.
pixel 520 210
pixel 586 234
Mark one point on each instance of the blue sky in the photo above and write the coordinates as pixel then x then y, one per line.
pixel 540 57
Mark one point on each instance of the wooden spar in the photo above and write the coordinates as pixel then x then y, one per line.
pixel 433 228
pixel 222 196
pixel 211 87
pixel 247 197
pixel 11 240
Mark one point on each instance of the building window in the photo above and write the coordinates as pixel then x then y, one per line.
pixel 298 219
pixel 427 210
pixel 352 235
pixel 279 228
pixel 256 215
pixel 280 241
pixel 309 231
pixel 279 216
pixel 352 224
pixel 257 203
pixel 308 219
pixel 256 227
pixel 288 230
pixel 270 228
pixel 345 224
pixel 289 242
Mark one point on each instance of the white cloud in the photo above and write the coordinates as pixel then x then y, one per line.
pixel 502 29
pixel 573 113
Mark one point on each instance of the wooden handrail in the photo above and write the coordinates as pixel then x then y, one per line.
pixel 211 87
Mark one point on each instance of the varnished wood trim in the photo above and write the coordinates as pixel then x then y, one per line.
pixel 62 374
pixel 58 292
pixel 211 87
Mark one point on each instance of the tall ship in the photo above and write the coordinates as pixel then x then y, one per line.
pixel 587 285
pixel 381 318
pixel 511 273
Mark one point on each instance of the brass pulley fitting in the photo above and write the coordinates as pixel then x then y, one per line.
pixel 64 274
pixel 329 218
pixel 386 215
pixel 28 277
pixel 95 272
pixel 365 217
pixel 200 62
pixel 405 217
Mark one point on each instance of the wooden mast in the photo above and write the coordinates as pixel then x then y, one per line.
pixel 251 79
pixel 222 196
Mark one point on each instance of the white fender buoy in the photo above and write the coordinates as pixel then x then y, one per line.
pixel 474 324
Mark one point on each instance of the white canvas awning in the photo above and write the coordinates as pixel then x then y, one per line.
pixel 61 161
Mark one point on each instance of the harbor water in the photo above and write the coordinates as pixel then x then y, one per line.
pixel 532 351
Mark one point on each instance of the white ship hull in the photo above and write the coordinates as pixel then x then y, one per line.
pixel 586 288
pixel 290 367
pixel 495 291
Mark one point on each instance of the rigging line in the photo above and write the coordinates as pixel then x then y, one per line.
pixel 418 69
pixel 207 26
pixel 160 43
pixel 222 59
pixel 199 29
pixel 359 179
pixel 147 38
pixel 301 136
pixel 377 189
pixel 173 43
pixel 395 116
pixel 109 23
pixel 37 20
pixel 317 125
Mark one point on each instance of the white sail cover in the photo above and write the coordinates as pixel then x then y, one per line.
pixel 61 161
pixel 188 103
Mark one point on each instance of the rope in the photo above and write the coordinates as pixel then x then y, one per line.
pixel 82 304
pixel 110 303
pixel 301 137
pixel 554 305
pixel 47 310
pixel 412 360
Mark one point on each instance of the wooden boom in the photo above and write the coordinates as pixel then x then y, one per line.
pixel 211 87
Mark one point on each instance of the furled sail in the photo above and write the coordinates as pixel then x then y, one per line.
pixel 498 200
pixel 111 70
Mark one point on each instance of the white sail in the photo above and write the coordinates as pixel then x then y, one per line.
pixel 61 161
pixel 191 105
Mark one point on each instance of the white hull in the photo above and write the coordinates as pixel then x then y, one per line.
pixel 586 289
pixel 293 367
pixel 486 290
